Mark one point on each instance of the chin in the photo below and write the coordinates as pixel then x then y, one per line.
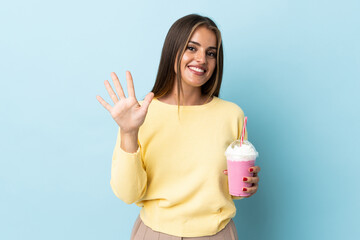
pixel 197 84
pixel 194 83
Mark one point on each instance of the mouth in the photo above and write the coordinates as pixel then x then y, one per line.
pixel 197 70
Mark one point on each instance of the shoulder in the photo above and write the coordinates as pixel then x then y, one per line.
pixel 230 107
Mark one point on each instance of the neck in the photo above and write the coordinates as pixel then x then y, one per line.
pixel 191 96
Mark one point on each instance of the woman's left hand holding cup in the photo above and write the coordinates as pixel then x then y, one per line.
pixel 254 180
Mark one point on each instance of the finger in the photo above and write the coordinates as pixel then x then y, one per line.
pixel 130 85
pixel 104 103
pixel 118 88
pixel 250 190
pixel 147 101
pixel 254 169
pixel 111 91
pixel 251 179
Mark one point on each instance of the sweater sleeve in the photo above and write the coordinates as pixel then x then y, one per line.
pixel 128 175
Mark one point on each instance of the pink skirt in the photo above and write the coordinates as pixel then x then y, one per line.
pixel 142 232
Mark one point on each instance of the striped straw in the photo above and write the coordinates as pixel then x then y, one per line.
pixel 243 131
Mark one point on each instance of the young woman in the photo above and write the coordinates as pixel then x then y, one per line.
pixel 169 154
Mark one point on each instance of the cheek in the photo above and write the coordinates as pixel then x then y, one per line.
pixel 185 60
pixel 212 66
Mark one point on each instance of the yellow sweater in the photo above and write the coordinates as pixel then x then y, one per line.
pixel 176 176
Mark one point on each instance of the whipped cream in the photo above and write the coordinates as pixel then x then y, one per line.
pixel 246 152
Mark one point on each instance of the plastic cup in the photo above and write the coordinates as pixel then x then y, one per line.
pixel 239 160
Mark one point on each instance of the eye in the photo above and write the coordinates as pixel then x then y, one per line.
pixel 212 54
pixel 191 48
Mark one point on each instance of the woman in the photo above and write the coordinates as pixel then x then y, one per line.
pixel 169 155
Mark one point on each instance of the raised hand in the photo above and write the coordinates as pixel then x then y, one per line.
pixel 127 112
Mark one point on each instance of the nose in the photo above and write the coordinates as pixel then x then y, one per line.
pixel 200 57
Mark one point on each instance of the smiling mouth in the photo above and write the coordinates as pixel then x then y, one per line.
pixel 197 70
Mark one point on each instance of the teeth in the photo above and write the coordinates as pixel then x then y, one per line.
pixel 197 69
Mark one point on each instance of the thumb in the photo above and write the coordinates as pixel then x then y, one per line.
pixel 147 101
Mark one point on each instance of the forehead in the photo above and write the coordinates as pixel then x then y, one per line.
pixel 204 36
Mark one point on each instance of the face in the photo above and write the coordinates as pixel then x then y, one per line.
pixel 199 60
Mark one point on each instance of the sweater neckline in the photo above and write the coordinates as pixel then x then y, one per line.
pixel 206 105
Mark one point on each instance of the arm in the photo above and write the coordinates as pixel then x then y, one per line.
pixel 128 175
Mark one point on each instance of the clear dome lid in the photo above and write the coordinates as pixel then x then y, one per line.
pixel 245 152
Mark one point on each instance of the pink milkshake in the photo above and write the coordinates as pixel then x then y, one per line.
pixel 239 160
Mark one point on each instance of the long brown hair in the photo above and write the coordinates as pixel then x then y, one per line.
pixel 174 47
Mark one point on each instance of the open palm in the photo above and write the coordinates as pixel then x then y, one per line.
pixel 127 112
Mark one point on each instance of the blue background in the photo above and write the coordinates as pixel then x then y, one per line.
pixel 292 66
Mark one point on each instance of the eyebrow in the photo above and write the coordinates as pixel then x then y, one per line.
pixel 198 44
